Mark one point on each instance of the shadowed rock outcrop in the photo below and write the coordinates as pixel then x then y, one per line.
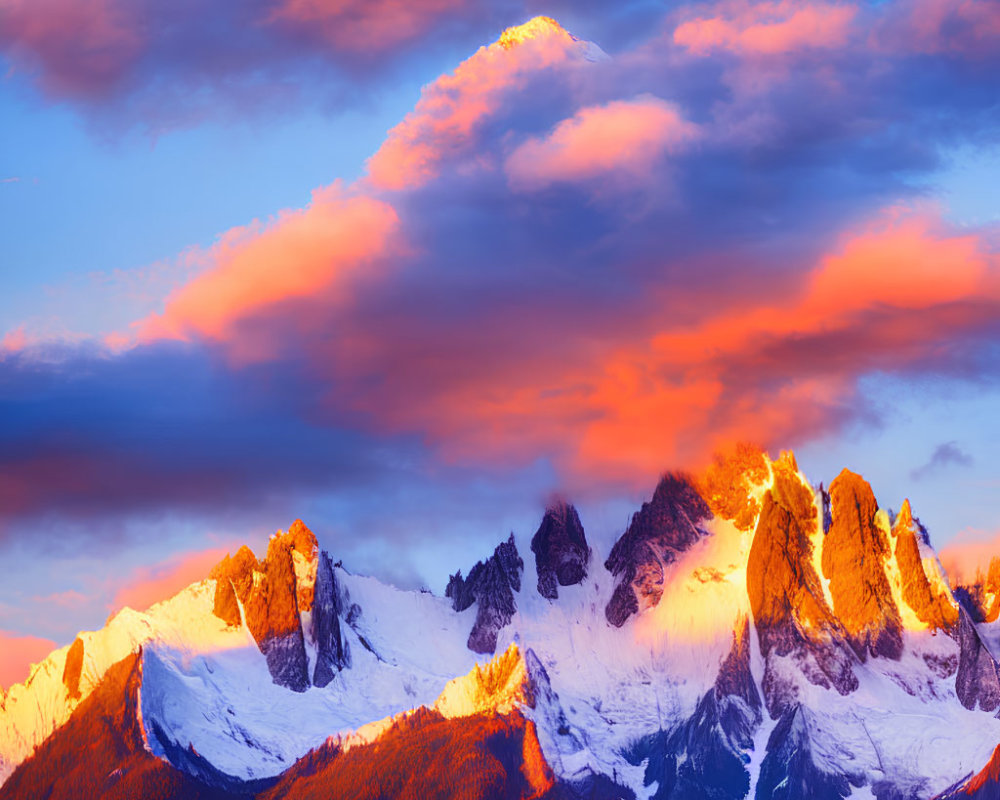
pixel 659 532
pixel 491 585
pixel 332 653
pixel 561 551
pixel 789 770
pixel 854 554
pixel 787 599
pixel 705 757
pixel 977 682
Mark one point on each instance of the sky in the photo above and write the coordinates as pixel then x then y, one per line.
pixel 410 270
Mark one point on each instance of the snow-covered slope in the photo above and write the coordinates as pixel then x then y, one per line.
pixel 786 643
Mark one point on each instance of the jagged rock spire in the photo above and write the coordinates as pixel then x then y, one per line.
pixel 491 584
pixel 662 529
pixel 561 551
pixel 855 551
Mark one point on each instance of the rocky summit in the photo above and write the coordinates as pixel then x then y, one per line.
pixel 749 634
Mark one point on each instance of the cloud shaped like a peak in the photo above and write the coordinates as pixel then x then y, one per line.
pixel 447 120
pixel 466 303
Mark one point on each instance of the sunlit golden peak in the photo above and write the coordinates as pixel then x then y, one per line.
pixel 787 458
pixel 535 28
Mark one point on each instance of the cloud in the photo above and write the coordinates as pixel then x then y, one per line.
pixel 968 554
pixel 151 584
pixel 18 653
pixel 81 46
pixel 451 110
pixel 963 27
pixel 767 28
pixel 163 64
pixel 434 320
pixel 623 138
pixel 319 248
pixel 945 454
pixel 13 341
pixel 362 25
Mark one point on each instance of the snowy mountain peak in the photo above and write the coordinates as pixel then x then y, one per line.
pixel 536 28
pixel 748 635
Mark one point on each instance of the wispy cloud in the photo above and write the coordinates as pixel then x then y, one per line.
pixel 945 455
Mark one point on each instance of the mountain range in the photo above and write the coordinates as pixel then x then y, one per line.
pixel 749 634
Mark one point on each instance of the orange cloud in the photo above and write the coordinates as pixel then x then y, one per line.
pixel 364 25
pixel 453 106
pixel 902 261
pixel 768 28
pixel 18 653
pixel 321 247
pixel 780 367
pixel 149 585
pixel 969 553
pixel 622 136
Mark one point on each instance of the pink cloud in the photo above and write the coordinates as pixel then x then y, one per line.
pixel 320 248
pixel 18 653
pixel 14 341
pixel 451 108
pixel 969 553
pixel 625 136
pixel 149 585
pixel 767 28
pixel 84 45
pixel 363 25
pixel 967 27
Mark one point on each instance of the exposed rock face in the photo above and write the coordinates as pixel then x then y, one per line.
pixel 854 554
pixel 931 605
pixel 272 592
pixel 332 653
pixel 491 584
pixel 74 668
pixel 233 581
pixel 561 551
pixel 789 770
pixel 727 484
pixel 304 549
pixel 659 532
pixel 978 679
pixel 786 596
pixel 272 615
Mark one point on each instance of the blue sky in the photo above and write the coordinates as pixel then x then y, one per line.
pixel 559 273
